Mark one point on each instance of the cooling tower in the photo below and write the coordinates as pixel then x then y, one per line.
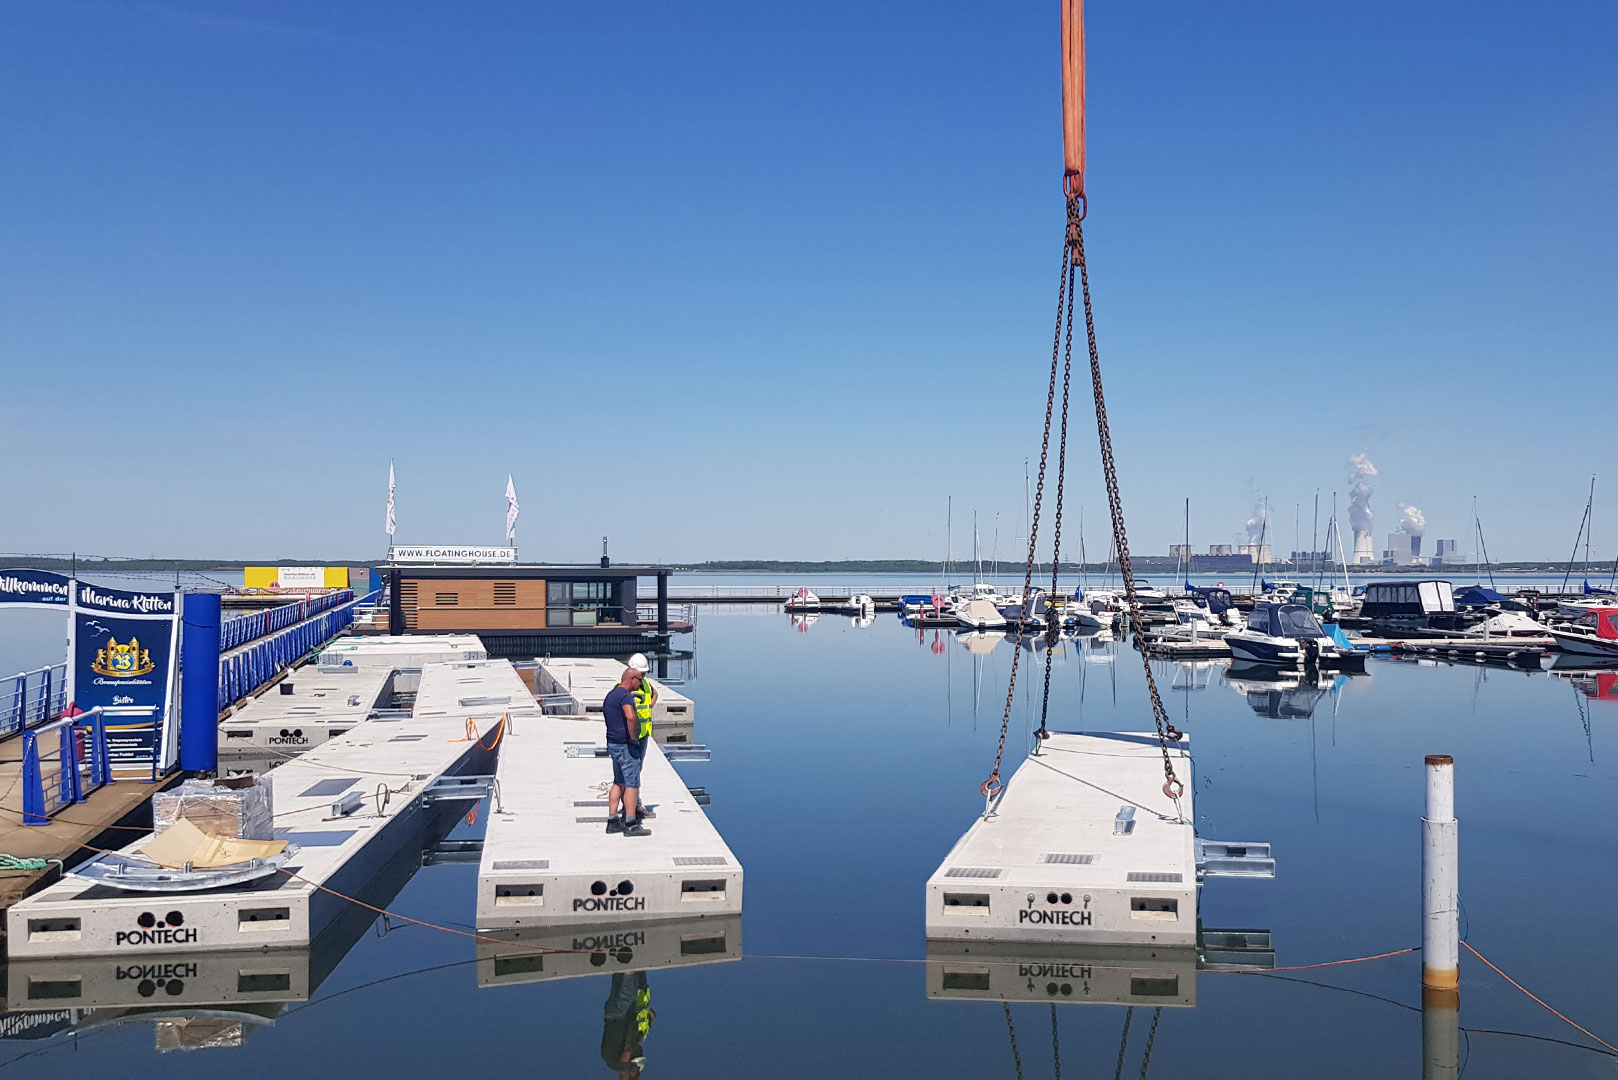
pixel 1364 547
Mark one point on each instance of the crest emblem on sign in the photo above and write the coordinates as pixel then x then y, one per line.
pixel 122 661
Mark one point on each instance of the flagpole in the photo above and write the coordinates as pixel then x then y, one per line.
pixel 388 546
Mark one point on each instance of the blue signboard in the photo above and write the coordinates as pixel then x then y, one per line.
pixel 34 587
pixel 123 657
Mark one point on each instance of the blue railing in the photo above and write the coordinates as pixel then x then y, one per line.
pixel 236 632
pixel 30 698
pixel 251 667
pixel 53 776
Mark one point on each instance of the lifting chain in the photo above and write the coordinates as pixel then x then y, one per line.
pixel 1073 259
pixel 1061 487
pixel 992 786
pixel 1172 787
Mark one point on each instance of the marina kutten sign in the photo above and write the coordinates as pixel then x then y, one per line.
pixel 452 554
pixel 123 654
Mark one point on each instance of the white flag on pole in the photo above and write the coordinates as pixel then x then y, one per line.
pixel 390 498
pixel 512 511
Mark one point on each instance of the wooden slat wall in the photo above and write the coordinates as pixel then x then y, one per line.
pixel 474 607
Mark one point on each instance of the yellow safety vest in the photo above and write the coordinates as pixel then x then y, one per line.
pixel 643 1012
pixel 643 707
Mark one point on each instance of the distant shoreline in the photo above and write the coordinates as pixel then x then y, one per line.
pixel 1153 566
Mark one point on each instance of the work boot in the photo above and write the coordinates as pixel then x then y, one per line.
pixel 637 829
pixel 643 812
pixel 615 825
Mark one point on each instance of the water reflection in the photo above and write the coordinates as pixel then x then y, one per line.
pixel 201 999
pixel 1280 693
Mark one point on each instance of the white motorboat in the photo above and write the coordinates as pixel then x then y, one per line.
pixel 1595 633
pixel 1575 609
pixel 803 600
pixel 1507 624
pixel 1288 635
pixel 980 614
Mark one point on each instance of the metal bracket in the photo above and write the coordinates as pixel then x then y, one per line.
pixel 453 851
pixel 463 788
pixel 1221 858
pixel 1226 950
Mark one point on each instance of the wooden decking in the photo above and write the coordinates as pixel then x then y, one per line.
pixel 73 827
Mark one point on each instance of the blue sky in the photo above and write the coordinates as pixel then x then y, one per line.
pixel 729 280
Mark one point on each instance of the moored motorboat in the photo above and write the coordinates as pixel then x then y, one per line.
pixel 980 614
pixel 1595 633
pixel 1288 635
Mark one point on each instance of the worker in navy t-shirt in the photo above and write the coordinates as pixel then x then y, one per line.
pixel 626 749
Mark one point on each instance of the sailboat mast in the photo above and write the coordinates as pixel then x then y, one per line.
pixel 1574 557
pixel 1589 533
pixel 1337 529
pixel 1314 540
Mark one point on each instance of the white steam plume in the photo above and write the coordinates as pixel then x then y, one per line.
pixel 1360 474
pixel 1412 520
pixel 1255 524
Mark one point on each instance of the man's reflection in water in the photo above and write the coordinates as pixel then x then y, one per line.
pixel 626 1021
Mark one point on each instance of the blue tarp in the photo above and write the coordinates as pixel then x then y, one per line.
pixel 1335 632
pixel 1588 591
pixel 1477 596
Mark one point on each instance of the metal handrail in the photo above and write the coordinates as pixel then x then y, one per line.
pixel 249 667
pixel 32 698
pixel 68 786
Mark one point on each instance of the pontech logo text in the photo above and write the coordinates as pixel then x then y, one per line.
pixel 122 661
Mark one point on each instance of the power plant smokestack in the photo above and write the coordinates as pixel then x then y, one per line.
pixel 1361 473
pixel 1413 523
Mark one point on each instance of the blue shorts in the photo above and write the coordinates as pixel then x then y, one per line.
pixel 625 764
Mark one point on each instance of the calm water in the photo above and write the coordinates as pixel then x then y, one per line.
pixel 846 762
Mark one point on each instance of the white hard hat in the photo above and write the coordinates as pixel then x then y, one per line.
pixel 639 662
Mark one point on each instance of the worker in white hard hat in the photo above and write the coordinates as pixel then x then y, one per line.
pixel 645 694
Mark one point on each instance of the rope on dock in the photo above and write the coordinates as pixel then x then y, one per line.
pixel 17 862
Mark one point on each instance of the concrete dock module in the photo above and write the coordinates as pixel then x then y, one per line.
pixel 548 860
pixel 305 709
pixel 588 679
pixel 1082 846
pixel 349 805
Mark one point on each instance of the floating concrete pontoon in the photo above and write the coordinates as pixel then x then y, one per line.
pixel 548 860
pixel 1083 847
pixel 587 680
pixel 401 651
pixel 349 805
pixel 173 985
pixel 311 705
pixel 523 956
